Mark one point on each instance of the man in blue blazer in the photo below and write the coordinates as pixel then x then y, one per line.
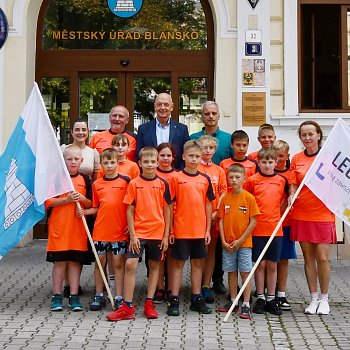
pixel 163 129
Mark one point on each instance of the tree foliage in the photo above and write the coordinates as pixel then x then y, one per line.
pixel 155 16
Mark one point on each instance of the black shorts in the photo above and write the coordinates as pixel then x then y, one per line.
pixel 151 246
pixel 189 248
pixel 273 253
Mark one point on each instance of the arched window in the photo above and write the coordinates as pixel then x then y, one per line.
pixel 89 59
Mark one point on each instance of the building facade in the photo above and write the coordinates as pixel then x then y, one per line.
pixel 275 61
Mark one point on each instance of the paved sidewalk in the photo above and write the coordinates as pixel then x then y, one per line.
pixel 26 321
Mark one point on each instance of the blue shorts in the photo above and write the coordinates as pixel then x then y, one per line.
pixel 288 250
pixel 238 260
pixel 273 253
pixel 117 248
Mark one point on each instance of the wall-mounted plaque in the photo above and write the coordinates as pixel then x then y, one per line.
pixel 253 108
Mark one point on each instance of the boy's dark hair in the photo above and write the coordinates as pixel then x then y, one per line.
pixel 236 168
pixel 239 135
pixel 265 126
pixel 108 153
pixel 192 144
pixel 267 153
pixel 119 137
pixel 148 151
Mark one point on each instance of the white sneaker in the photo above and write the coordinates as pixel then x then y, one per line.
pixel 323 308
pixel 312 308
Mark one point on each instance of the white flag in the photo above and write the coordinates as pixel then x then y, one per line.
pixel 329 176
pixel 32 170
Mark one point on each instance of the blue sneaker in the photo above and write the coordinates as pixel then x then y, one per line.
pixel 118 302
pixel 208 295
pixel 97 303
pixel 57 302
pixel 74 303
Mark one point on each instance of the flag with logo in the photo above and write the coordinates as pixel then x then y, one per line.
pixel 32 170
pixel 329 176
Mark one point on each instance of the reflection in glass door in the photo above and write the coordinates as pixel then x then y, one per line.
pixel 193 92
pixel 97 96
pixel 145 90
pixel 55 92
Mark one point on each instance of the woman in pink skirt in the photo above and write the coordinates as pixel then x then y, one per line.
pixel 313 224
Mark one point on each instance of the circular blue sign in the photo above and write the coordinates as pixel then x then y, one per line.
pixel 125 8
pixel 4 28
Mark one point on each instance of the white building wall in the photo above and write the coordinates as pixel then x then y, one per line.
pixel 277 19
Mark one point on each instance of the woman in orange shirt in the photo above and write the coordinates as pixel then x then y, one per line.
pixel 312 222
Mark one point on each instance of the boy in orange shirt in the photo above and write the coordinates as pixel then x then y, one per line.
pixel 148 215
pixel 218 181
pixel 67 241
pixel 288 246
pixel 237 212
pixel 125 166
pixel 266 137
pixel 270 190
pixel 110 229
pixel 192 223
pixel 240 143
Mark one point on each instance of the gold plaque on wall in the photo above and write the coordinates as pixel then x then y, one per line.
pixel 253 108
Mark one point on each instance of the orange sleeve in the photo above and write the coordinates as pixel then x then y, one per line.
pixel 130 196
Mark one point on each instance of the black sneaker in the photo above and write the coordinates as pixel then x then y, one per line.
pixel 245 312
pixel 173 306
pixel 159 296
pixel 219 288
pixel 259 306
pixel 200 306
pixel 273 308
pixel 283 303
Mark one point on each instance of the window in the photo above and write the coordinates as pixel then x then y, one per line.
pixel 324 55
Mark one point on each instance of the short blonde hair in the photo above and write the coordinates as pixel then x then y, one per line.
pixel 71 147
pixel 208 139
pixel 236 168
pixel 192 144
pixel 267 153
pixel 280 145
pixel 148 152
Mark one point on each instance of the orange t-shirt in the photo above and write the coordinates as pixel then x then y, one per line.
pixel 217 178
pixel 169 177
pixel 66 229
pixel 127 168
pixel 148 196
pixel 286 174
pixel 269 192
pixel 307 207
pixel 236 210
pixel 250 165
pixel 192 191
pixel 103 139
pixel 107 196
pixel 253 155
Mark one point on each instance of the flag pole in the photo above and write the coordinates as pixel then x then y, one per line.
pixel 234 303
pixel 98 262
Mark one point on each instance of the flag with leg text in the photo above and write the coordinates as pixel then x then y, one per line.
pixel 329 176
pixel 32 170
